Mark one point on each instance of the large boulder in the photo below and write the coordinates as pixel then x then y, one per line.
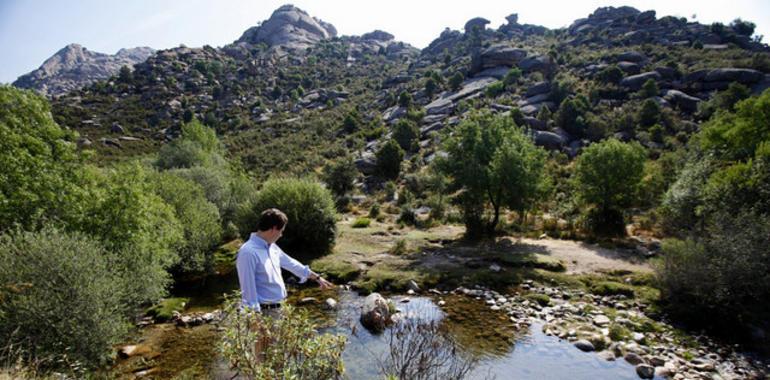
pixel 635 82
pixel 549 140
pixel 501 55
pixel 631 56
pixel 538 88
pixel 683 101
pixel 542 63
pixel 289 27
pixel 375 313
pixel 734 75
pixel 476 23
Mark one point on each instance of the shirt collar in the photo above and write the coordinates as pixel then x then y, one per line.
pixel 259 241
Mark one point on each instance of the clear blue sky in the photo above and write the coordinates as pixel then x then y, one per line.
pixel 33 30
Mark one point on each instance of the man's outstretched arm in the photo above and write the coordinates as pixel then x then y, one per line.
pixel 302 271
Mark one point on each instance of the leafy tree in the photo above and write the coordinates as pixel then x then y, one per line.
pixel 737 135
pixel 491 162
pixel 351 122
pixel 406 134
pixel 456 80
pixel 724 100
pixel 125 75
pixel 339 176
pixel 130 219
pixel 650 89
pixel 389 158
pixel 309 205
pixel 495 89
pixel 198 218
pixel 571 115
pixel 649 114
pixel 62 297
pixel 607 175
pixel 405 99
pixel 430 87
pixel 197 145
pixel 743 28
pixel 40 173
pixel 610 74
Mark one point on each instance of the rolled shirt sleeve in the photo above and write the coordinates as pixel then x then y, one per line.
pixel 246 263
pixel 294 266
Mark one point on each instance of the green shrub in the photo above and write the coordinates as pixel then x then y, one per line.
pixel 721 278
pixel 495 89
pixel 610 74
pixel 512 76
pixel 571 115
pixel 610 288
pixel 40 163
pixel 399 247
pixel 389 159
pixel 198 145
pixel 649 89
pixel 407 135
pixel 310 208
pixel 339 176
pixel 62 297
pixel 374 211
pixel 198 218
pixel 619 333
pixel 296 349
pixel 649 114
pixel 128 216
pixel 456 80
pixel 405 99
pixel 361 223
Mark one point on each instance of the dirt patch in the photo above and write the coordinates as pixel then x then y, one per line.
pixel 580 257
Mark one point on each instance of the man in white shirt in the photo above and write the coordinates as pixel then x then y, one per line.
pixel 259 264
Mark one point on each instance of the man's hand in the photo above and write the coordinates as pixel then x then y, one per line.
pixel 322 283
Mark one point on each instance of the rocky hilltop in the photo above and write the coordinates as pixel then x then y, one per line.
pixel 290 28
pixel 74 66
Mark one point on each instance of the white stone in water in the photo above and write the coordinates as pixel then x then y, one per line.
pixel 638 337
pixel 410 292
pixel 502 300
pixel 490 302
pixel 441 302
pixel 331 303
pixel 495 268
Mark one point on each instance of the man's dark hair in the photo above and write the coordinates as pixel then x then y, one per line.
pixel 270 218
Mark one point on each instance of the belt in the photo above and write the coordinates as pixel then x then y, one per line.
pixel 268 306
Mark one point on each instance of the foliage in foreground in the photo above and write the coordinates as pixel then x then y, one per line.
pixel 309 205
pixel 296 350
pixel 61 298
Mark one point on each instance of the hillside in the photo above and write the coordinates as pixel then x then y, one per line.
pixel 292 76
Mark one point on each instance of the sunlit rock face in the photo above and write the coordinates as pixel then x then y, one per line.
pixel 74 66
pixel 291 28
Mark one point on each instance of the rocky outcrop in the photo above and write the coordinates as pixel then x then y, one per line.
pixel 476 23
pixel 74 67
pixel 290 28
pixel 623 26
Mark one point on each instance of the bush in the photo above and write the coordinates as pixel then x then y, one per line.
pixel 405 99
pixel 407 135
pixel 199 220
pixel 649 89
pixel 495 89
pixel 456 80
pixel 62 297
pixel 296 350
pixel 374 211
pixel 571 115
pixel 607 175
pixel 361 223
pixel 649 114
pixel 512 76
pixel 722 277
pixel 610 74
pixel 198 145
pixel 339 176
pixel 310 207
pixel 129 217
pixel 389 159
pixel 541 299
pixel 724 100
pixel 39 161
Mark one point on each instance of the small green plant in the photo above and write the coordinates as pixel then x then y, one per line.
pixel 294 349
pixel 541 299
pixel 399 247
pixel 610 288
pixel 374 211
pixel 361 223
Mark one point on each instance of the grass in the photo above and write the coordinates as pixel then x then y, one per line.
pixel 541 299
pixel 610 288
pixel 361 223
